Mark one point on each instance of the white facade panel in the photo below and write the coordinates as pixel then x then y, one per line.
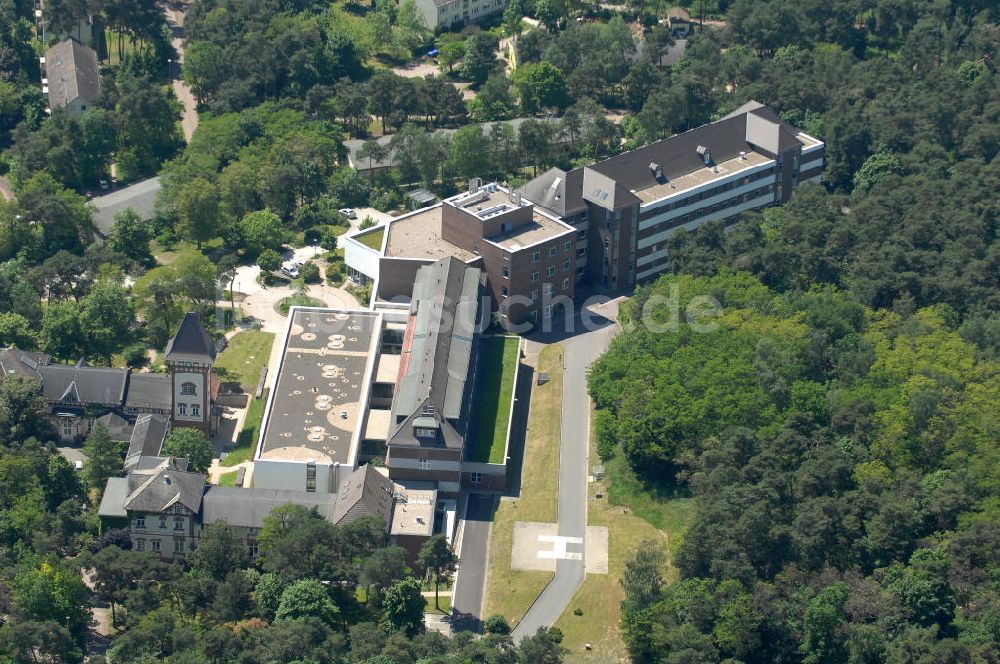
pixel 361 258
pixel 691 225
pixel 697 205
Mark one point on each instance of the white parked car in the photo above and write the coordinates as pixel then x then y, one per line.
pixel 349 213
pixel 291 270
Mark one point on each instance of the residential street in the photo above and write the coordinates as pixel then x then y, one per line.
pixel 580 351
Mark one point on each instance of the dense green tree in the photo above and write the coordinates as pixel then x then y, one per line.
pixel 17 331
pixel 62 331
pixel 105 316
pixel 541 86
pixel 307 598
pixel 437 559
pixel 104 457
pixel 221 551
pixel 23 413
pixel 479 58
pixel 192 445
pixel 130 236
pixel 404 607
pixel 198 207
pixel 470 152
pixel 261 230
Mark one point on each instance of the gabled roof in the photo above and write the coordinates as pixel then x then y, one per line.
pixel 440 334
pixel 191 342
pixel 149 391
pixel 164 486
pixel 247 508
pixel 72 72
pixel 365 492
pixel 676 155
pixel 147 438
pixel 23 363
pixel 82 384
pixel 117 426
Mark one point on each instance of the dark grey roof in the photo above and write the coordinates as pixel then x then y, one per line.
pixel 247 508
pixel 164 486
pixel 437 359
pixel 113 498
pixel 141 197
pixel 82 384
pixel 191 342
pixel 117 426
pixel 677 155
pixel 72 72
pixel 147 438
pixel 365 492
pixel 23 363
pixel 149 391
pixel 557 191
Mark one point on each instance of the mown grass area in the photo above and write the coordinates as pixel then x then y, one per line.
pixel 244 357
pixel 443 607
pixel 373 240
pixel 508 592
pixel 168 255
pixel 497 366
pixel 632 514
pixel 297 300
pixel 228 479
pixel 247 440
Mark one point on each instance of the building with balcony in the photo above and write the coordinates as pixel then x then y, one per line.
pixel 446 13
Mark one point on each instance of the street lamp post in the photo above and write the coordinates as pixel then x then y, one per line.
pixel 170 63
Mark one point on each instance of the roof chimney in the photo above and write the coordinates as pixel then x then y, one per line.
pixel 705 154
pixel 657 171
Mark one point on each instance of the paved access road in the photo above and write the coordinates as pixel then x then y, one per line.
pixel 467 602
pixel 580 351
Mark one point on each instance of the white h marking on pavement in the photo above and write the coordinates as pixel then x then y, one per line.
pixel 559 547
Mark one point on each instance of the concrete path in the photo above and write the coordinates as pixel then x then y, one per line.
pixel 581 350
pixel 467 601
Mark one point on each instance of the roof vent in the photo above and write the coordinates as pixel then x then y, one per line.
pixel 166 480
pixel 743 155
pixel 705 154
pixel 657 171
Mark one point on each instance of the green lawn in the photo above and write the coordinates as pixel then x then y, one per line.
pixel 247 440
pixel 372 239
pixel 228 479
pixel 243 358
pixel 287 303
pixel 444 604
pixel 511 592
pixel 497 366
pixel 166 256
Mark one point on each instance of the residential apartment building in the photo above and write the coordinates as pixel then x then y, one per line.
pixel 626 207
pixel 446 13
pixel 528 255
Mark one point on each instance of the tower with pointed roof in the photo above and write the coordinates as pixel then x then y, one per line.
pixel 189 359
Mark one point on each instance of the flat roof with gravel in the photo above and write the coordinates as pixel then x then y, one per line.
pixel 418 235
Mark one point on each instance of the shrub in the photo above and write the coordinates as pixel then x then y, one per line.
pixel 134 355
pixel 310 272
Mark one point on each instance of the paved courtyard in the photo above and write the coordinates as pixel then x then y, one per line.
pixel 538 547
